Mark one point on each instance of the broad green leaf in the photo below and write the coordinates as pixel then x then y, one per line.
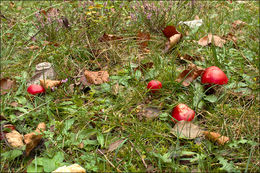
pixel 211 98
pixel 10 155
pixel 68 124
pixel 100 139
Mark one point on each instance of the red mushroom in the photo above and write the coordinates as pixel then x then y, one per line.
pixel 35 89
pixel 154 86
pixel 182 113
pixel 214 75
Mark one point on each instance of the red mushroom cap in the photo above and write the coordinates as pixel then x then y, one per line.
pixel 35 89
pixel 154 85
pixel 182 113
pixel 214 75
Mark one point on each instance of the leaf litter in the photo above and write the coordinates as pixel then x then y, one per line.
pixel 6 85
pixel 186 129
pixel 208 39
pixel 190 74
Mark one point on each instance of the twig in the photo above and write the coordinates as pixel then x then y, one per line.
pixel 145 165
pixel 109 161
pixel 33 36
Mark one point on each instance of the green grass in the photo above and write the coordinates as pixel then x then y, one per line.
pixel 99 117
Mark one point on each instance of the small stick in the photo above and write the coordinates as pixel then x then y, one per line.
pixel 109 161
pixel 145 165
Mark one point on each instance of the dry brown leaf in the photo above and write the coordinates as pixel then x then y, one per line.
pixel 149 113
pixel 238 23
pixel 45 43
pixel 144 66
pixel 6 85
pixel 185 129
pixel 49 83
pixel 143 39
pixel 96 78
pixel 34 47
pixel 190 74
pixel 231 37
pixel 109 37
pixel 173 40
pixel 32 139
pixel 191 58
pixel 216 137
pixel 170 31
pixel 113 146
pixel 206 40
pixel 15 139
pixel 81 145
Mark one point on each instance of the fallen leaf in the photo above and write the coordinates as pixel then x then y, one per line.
pixel 70 169
pixel 238 23
pixel 113 146
pixel 49 83
pixel 170 31
pixel 193 23
pixel 216 137
pixel 196 17
pixel 144 66
pixel 231 37
pixel 81 145
pixel 6 85
pixel 186 129
pixel 96 77
pixel 149 113
pixel 12 5
pixel 143 39
pixel 191 58
pixel 206 40
pixel 45 43
pixel 190 74
pixel 173 40
pixel 43 70
pixel 109 37
pixel 33 47
pixel 32 139
pixel 14 104
pixel 15 139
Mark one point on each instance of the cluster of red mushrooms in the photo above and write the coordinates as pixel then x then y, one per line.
pixel 212 75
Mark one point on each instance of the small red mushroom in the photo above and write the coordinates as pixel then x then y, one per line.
pixel 154 86
pixel 182 113
pixel 35 89
pixel 214 75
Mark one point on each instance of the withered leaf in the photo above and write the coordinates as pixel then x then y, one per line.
pixel 185 129
pixel 45 43
pixel 206 40
pixel 238 23
pixel 190 74
pixel 143 39
pixel 96 78
pixel 191 58
pixel 216 137
pixel 49 83
pixel 32 139
pixel 109 37
pixel 6 85
pixel 144 66
pixel 149 113
pixel 33 47
pixel 113 146
pixel 170 31
pixel 173 40
pixel 15 139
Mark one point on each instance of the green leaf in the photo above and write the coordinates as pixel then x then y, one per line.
pixel 59 157
pixel 11 155
pixel 48 165
pixel 100 139
pixel 227 166
pixel 34 168
pixel 68 124
pixel 211 98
